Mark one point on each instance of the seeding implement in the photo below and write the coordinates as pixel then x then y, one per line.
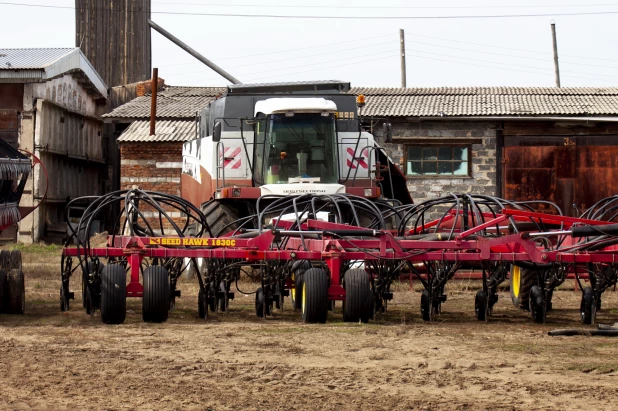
pixel 321 249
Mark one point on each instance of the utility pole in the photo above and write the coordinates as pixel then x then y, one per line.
pixel 402 48
pixel 555 43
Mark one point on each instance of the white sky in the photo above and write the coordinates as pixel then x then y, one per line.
pixel 496 51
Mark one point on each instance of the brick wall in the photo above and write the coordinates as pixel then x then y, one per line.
pixel 483 155
pixel 153 167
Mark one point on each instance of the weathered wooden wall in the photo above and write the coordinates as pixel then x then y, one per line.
pixel 115 36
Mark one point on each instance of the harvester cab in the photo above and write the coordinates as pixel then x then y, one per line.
pixel 285 139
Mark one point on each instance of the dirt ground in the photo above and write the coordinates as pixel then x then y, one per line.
pixel 54 360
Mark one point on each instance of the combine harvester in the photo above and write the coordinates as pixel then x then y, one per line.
pixel 282 180
pixel 15 167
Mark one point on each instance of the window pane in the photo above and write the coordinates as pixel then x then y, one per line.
pixel 445 167
pixel 461 168
pixel 460 153
pixel 430 153
pixel 414 167
pixel 414 153
pixel 430 167
pixel 445 153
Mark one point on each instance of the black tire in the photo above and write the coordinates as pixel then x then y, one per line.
pixel 64 300
pixel 315 296
pixel 297 290
pixel 88 302
pixel 522 280
pixel 357 295
pixel 425 306
pixel 89 269
pixel 5 260
pixel 15 292
pixel 537 305
pixel 156 301
pixel 113 294
pixel 202 310
pixel 588 306
pixel 2 290
pixel 261 308
pixel 15 260
pixel 219 217
pixel 370 306
pixel 480 306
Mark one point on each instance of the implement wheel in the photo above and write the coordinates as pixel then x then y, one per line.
pixel 357 296
pixel 537 305
pixel 202 309
pixel 522 281
pixel 156 301
pixel 113 294
pixel 588 307
pixel 426 308
pixel 15 294
pixel 262 308
pixel 481 306
pixel 315 296
pixel 297 290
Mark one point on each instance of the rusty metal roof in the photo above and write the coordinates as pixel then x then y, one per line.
pixel 166 131
pixel 489 101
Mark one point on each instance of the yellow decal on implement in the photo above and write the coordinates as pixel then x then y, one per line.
pixel 193 242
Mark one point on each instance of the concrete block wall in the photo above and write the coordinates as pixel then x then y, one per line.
pixel 483 155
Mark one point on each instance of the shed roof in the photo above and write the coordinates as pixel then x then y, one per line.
pixel 166 130
pixel 40 64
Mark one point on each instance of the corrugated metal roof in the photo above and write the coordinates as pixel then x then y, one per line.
pixel 31 58
pixel 45 64
pixel 183 102
pixel 166 130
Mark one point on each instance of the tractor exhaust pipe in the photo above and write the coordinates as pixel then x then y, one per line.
pixel 194 53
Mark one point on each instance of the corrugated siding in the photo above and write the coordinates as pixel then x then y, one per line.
pixel 34 58
pixel 166 130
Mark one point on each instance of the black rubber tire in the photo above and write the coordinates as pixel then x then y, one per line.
pixel 537 305
pixel 89 269
pixel 297 290
pixel 113 294
pixel 369 307
pixel 588 306
pixel 5 259
pixel 156 301
pixel 88 303
pixel 522 280
pixel 315 296
pixel 261 307
pixel 15 292
pixel 202 311
pixel 2 290
pixel 480 306
pixel 15 260
pixel 357 295
pixel 218 216
pixel 64 301
pixel 425 306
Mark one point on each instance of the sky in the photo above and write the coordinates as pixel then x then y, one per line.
pixel 444 48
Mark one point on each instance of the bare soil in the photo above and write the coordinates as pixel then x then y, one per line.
pixel 54 360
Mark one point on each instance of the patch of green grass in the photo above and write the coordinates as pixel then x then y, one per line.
pixel 36 248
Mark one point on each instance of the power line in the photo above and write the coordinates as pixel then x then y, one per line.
pixel 330 7
pixel 281 16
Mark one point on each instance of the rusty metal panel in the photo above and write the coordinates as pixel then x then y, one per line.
pixel 565 170
pixel 12 96
pixel 9 125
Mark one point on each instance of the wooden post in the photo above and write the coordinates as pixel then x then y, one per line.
pixel 555 44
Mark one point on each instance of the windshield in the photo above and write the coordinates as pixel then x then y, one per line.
pixel 298 149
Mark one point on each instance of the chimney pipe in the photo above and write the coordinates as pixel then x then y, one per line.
pixel 153 101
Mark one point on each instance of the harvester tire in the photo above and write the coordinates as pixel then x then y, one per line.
pixel 156 301
pixel 314 296
pixel 537 305
pixel 297 290
pixel 522 281
pixel 219 217
pixel 357 295
pixel 588 307
pixel 15 294
pixel 113 294
pixel 2 290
